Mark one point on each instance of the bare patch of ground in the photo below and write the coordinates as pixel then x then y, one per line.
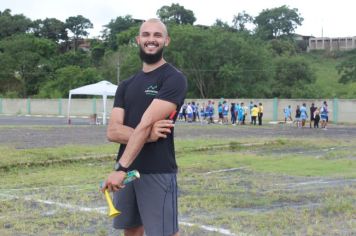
pixel 20 135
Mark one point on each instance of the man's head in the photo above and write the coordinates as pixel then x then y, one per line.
pixel 152 38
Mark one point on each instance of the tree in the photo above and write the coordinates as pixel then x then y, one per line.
pixel 50 28
pixel 67 78
pixel 78 25
pixel 282 47
pixel 97 54
pixel 25 57
pixel 219 63
pixel 241 20
pixel 176 14
pixel 277 22
pixel 224 25
pixel 78 58
pixel 13 24
pixel 117 26
pixel 293 78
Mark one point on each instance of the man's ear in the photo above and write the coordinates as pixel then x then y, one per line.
pixel 168 40
pixel 138 40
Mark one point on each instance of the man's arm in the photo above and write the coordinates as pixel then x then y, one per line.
pixel 117 131
pixel 158 110
pixel 120 133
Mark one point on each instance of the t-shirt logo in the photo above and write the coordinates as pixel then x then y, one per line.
pixel 151 90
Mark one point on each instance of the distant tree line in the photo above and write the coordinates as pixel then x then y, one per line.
pixel 252 57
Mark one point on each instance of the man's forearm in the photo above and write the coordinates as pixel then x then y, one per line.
pixel 119 134
pixel 134 145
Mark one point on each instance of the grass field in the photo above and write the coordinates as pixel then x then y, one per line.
pixel 234 186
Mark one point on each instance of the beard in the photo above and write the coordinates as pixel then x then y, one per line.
pixel 151 58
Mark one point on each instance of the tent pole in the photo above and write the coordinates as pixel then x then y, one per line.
pixel 68 110
pixel 104 108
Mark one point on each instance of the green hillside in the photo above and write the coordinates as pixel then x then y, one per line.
pixel 327 85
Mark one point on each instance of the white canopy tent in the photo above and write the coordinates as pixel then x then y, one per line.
pixel 103 88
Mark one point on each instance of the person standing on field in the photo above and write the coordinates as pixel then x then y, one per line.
pixel 297 117
pixel 303 114
pixel 324 115
pixel 312 115
pixel 139 123
pixel 254 114
pixel 260 113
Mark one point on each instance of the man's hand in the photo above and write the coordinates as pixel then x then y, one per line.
pixel 160 129
pixel 114 182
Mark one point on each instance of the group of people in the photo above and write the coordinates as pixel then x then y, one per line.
pixel 205 113
pixel 317 115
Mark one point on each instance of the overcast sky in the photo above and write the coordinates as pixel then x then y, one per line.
pixel 330 18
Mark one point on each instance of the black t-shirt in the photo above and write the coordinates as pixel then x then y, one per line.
pixel 312 110
pixel 134 95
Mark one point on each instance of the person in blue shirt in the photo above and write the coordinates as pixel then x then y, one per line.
pixel 288 114
pixel 225 112
pixel 240 114
pixel 303 114
pixel 250 109
pixel 210 112
pixel 324 115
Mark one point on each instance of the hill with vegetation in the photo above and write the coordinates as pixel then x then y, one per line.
pixel 327 83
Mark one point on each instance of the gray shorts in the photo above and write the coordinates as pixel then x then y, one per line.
pixel 150 201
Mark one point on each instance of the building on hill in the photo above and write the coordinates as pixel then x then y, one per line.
pixel 332 44
pixel 302 41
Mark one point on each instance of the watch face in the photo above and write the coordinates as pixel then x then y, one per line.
pixel 117 166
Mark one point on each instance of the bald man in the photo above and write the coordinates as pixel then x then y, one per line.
pixel 138 122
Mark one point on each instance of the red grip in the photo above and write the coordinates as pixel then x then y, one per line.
pixel 171 116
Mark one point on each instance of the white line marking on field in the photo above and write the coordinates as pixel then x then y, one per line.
pixel 63 205
pixel 313 182
pixel 208 228
pixel 103 210
pixel 223 170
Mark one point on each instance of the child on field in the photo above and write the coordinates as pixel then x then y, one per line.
pixel 316 118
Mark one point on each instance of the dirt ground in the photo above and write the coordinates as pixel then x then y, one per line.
pixel 24 132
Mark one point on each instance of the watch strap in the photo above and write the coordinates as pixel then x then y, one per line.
pixel 119 167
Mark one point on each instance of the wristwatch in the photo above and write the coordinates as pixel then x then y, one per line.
pixel 119 167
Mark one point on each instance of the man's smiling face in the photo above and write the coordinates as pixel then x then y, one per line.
pixel 152 39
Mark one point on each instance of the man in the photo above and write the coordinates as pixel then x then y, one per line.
pixel 260 113
pixel 147 205
pixel 312 116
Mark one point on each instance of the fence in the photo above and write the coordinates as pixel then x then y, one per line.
pixel 340 110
